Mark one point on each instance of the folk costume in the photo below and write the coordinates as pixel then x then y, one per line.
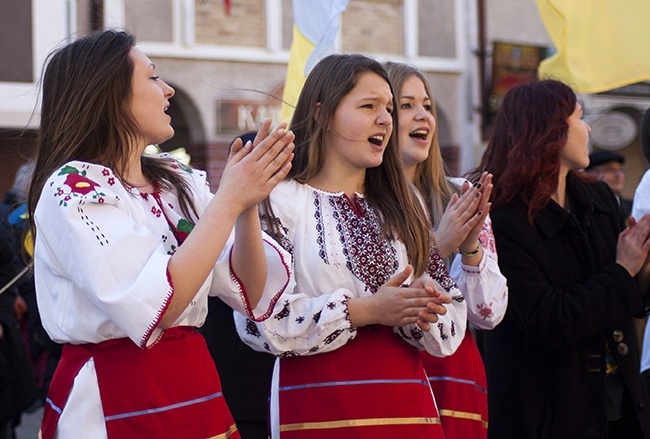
pixel 564 361
pixel 102 284
pixel 332 379
pixel 458 381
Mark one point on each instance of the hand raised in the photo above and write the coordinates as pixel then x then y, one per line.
pixel 254 169
pixel 484 186
pixel 458 220
pixel 634 245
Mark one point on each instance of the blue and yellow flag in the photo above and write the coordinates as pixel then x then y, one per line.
pixel 601 44
pixel 316 24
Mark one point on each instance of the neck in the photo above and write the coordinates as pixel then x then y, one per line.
pixel 409 171
pixel 134 176
pixel 560 194
pixel 335 180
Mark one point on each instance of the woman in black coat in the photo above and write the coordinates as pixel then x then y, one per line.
pixel 564 362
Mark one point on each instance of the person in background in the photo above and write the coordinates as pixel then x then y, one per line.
pixel 564 361
pixel 608 166
pixel 640 207
pixel 368 288
pixel 43 351
pixel 18 389
pixel 128 246
pixel 463 232
pixel 245 373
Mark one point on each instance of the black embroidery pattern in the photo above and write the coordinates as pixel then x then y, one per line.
pixel 284 312
pixel 320 236
pixel 300 319
pixel 417 333
pixel 101 238
pixel 288 354
pixel 333 336
pixel 369 256
pixel 316 317
pixel 437 270
pixel 252 329
pixel 443 336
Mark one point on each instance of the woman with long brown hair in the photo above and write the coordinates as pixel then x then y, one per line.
pixel 459 215
pixel 128 246
pixel 564 362
pixel 369 287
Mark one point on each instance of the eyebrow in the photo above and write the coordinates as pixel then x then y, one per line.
pixel 426 98
pixel 375 99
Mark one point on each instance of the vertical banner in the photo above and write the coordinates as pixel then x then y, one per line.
pixel 316 25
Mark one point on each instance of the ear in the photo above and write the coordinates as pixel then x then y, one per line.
pixel 316 111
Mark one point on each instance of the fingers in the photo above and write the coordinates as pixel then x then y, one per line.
pixel 282 172
pixel 263 132
pixel 273 144
pixel 235 148
pixel 400 278
pixel 452 200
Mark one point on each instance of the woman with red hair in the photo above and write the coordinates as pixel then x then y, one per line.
pixel 564 362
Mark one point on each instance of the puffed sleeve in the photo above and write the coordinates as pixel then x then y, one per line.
pixel 89 232
pixel 301 323
pixel 484 287
pixel 225 283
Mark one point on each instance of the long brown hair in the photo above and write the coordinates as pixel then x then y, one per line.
pixel 85 115
pixel 386 187
pixel 431 174
pixel 523 153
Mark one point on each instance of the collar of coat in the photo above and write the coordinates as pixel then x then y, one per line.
pixel 585 198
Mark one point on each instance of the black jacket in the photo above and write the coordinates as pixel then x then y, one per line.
pixel 568 301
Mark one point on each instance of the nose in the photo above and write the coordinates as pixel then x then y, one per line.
pixel 422 113
pixel 385 118
pixel 169 91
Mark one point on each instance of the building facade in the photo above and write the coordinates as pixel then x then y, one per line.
pixel 228 67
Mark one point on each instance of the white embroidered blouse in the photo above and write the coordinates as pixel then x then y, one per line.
pixel 101 258
pixel 339 253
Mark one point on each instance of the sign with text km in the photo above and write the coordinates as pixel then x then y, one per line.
pixel 236 117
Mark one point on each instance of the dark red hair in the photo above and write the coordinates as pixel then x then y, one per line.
pixel 523 152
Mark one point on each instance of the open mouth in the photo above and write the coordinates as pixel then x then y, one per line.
pixel 376 140
pixel 420 134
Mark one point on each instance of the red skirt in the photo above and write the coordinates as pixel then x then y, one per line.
pixel 460 387
pixel 170 390
pixel 372 387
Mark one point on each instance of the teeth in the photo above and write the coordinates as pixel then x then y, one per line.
pixel 421 134
pixel 377 140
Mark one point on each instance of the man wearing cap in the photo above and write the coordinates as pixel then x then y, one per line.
pixel 608 167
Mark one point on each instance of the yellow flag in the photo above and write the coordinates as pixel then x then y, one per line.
pixel 601 44
pixel 316 24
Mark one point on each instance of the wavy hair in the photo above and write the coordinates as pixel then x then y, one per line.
pixel 523 153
